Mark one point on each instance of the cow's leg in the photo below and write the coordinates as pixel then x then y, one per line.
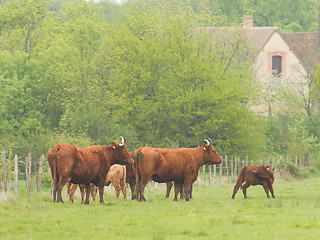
pixel 59 190
pixel 87 188
pixel 54 193
pixel 177 186
pixel 244 189
pixel 169 186
pixel 124 190
pixel 101 189
pixel 143 184
pixel 191 188
pixel 236 187
pixel 72 190
pixel 132 188
pixel 94 191
pixel 182 192
pixel 271 190
pixel 266 189
pixel 186 187
pixel 82 193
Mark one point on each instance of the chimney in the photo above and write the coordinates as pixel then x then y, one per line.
pixel 248 21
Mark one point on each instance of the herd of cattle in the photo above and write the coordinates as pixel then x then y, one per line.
pixel 94 167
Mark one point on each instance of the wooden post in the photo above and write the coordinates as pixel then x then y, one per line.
pixel 16 179
pixel 251 162
pixel 209 166
pixel 247 159
pixel 231 168
pixel 204 174
pixel 296 161
pixel 29 174
pixel 4 169
pixel 26 162
pixel 39 174
pixel 226 160
pixel 235 167
pixel 220 173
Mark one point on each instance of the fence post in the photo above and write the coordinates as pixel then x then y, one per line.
pixel 247 159
pixel 26 161
pixel 4 168
pixel 16 179
pixel 231 168
pixel 235 167
pixel 39 174
pixel 29 174
pixel 227 170
pixel 215 174
pixel 296 161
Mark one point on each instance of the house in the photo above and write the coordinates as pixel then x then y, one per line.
pixel 282 58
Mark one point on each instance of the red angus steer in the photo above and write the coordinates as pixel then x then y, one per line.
pixel 253 175
pixel 179 165
pixel 84 165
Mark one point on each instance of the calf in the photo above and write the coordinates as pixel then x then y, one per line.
pixel 117 176
pixel 253 175
pixel 71 188
pixel 169 186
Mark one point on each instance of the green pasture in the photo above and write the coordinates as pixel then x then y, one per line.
pixel 211 214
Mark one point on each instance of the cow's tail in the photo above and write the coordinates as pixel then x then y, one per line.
pixel 52 160
pixel 136 172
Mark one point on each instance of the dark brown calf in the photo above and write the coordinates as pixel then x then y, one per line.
pixel 253 175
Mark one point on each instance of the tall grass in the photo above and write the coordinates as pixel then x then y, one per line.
pixel 211 214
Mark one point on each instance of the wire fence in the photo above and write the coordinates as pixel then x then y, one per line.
pixel 28 176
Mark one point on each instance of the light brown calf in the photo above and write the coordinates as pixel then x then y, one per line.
pixel 71 188
pixel 117 176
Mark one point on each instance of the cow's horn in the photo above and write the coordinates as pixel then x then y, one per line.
pixel 210 140
pixel 123 141
pixel 208 143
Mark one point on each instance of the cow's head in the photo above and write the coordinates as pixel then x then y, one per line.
pixel 210 154
pixel 264 172
pixel 121 153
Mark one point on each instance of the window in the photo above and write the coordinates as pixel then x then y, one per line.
pixel 276 64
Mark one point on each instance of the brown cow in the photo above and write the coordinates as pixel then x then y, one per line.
pixel 179 165
pixel 253 175
pixel 117 176
pixel 71 189
pixel 84 165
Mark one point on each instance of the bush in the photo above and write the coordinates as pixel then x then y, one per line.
pixel 289 170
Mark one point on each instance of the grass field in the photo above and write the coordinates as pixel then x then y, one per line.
pixel 211 214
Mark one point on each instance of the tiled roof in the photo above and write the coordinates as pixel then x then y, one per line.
pixel 305 46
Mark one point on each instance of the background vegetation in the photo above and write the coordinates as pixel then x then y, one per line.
pixel 86 72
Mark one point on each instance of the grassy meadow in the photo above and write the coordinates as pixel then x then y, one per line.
pixel 211 214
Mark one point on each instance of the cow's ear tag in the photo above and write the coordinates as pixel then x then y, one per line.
pixel 204 148
pixel 267 169
pixel 114 147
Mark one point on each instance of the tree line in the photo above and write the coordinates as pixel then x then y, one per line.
pixel 84 73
